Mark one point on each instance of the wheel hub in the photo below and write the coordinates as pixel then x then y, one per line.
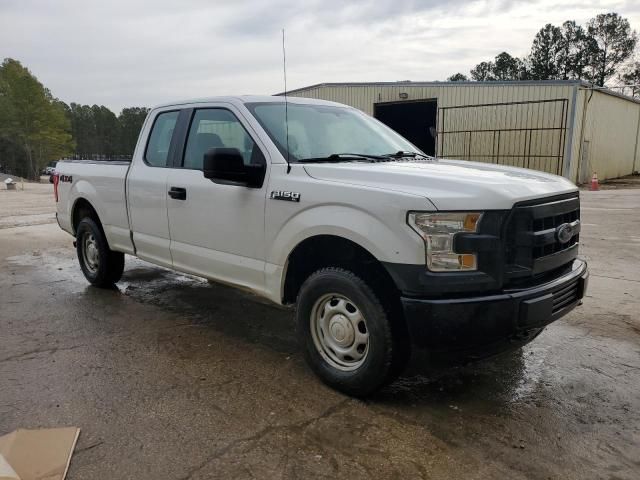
pixel 341 330
pixel 90 252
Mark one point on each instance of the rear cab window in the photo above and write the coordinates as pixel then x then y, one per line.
pixel 157 152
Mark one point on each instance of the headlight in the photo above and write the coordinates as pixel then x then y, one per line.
pixel 438 230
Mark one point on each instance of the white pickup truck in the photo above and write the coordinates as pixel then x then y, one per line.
pixel 313 203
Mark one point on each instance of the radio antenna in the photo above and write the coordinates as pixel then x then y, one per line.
pixel 286 103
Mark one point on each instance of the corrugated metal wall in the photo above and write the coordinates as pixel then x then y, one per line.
pixel 364 97
pixel 530 136
pixel 608 141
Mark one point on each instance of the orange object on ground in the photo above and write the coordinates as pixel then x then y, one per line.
pixel 594 182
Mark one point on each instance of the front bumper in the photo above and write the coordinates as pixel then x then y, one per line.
pixel 481 326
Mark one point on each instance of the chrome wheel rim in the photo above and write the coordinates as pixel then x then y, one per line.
pixel 90 253
pixel 339 332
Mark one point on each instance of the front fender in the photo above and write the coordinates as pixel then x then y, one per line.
pixel 398 244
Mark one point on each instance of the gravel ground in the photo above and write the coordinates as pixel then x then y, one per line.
pixel 170 377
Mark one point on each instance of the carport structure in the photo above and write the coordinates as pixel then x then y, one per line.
pixel 566 127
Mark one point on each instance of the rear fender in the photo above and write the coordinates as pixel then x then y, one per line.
pixel 83 190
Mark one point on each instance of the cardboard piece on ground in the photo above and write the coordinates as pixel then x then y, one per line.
pixel 6 472
pixel 37 454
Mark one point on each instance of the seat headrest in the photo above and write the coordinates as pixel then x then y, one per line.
pixel 205 141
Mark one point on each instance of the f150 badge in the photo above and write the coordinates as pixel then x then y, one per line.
pixel 283 195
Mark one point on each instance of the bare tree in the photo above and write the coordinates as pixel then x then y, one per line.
pixel 612 42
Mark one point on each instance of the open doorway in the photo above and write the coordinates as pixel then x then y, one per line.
pixel 414 120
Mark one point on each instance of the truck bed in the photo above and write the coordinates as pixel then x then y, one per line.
pixel 102 183
pixel 98 162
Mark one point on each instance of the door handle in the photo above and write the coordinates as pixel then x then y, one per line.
pixel 178 193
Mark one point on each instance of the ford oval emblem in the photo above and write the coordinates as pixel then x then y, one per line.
pixel 564 233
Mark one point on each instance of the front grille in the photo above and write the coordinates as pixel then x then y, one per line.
pixel 565 296
pixel 533 245
pixel 550 224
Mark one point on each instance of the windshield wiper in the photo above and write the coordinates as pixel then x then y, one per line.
pixel 405 154
pixel 339 157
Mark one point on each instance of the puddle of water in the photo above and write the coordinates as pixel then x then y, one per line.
pixel 227 309
pixel 562 359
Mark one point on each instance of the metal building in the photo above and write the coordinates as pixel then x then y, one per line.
pixel 562 127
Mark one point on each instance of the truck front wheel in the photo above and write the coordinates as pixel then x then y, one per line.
pixel 100 265
pixel 346 334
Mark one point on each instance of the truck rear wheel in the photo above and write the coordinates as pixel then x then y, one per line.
pixel 100 265
pixel 345 333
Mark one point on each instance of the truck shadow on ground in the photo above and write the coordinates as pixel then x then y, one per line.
pixel 226 309
pixel 251 319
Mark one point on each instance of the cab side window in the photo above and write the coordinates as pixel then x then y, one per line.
pixel 214 128
pixel 157 151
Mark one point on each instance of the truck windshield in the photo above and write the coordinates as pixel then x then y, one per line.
pixel 321 132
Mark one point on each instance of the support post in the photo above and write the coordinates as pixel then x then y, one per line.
pixel 568 151
pixel 634 169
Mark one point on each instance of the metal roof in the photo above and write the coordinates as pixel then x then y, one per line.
pixel 409 83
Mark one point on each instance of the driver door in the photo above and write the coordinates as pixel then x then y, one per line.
pixel 216 230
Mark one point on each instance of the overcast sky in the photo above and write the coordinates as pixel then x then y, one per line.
pixel 133 53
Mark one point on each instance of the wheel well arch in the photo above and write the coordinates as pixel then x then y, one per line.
pixel 321 251
pixel 82 208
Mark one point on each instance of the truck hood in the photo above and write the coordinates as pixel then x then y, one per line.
pixel 448 184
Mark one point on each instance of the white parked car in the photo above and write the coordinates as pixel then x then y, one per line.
pixel 380 247
pixel 50 169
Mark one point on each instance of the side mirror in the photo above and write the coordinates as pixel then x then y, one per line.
pixel 226 166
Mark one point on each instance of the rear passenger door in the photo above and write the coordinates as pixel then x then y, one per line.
pixel 147 189
pixel 217 230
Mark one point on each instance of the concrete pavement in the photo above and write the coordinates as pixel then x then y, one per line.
pixel 170 377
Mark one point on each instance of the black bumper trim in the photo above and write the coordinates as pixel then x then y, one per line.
pixel 476 322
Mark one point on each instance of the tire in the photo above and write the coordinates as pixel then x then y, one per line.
pixel 101 266
pixel 330 304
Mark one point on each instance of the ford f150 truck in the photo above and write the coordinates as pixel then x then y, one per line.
pixel 380 247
